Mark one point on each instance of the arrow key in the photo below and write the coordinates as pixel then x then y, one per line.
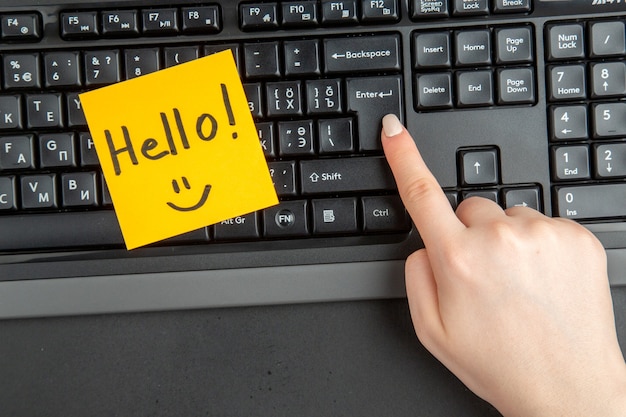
pixel 521 197
pixel 479 166
pixel 610 160
pixel 569 122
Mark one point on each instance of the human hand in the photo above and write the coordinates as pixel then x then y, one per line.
pixel 515 303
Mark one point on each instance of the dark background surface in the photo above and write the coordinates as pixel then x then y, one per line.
pixel 331 359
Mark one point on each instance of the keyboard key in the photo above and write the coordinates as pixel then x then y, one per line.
pixel 44 110
pixel 488 194
pixel 253 94
pixel 433 90
pixel 473 47
pixel 609 119
pixel 324 96
pixel 591 201
pixel 570 162
pixel 296 138
pixel 160 21
pixel 429 9
pixel 431 50
pixel 301 57
pixel 102 67
pixel 516 86
pixel 339 12
pixel 79 189
pixel 120 23
pixel 201 19
pixel 238 228
pixel 511 6
pixel 567 82
pixel 75 114
pixel 522 197
pixel 283 175
pixel 288 219
pixel 265 131
pixel 62 69
pixel 300 13
pixel 17 152
pixel 39 191
pixel 20 26
pixel 514 45
pixel 569 122
pixel 334 215
pixel 106 195
pixel 607 38
pixel 21 71
pixel 453 198
pixel 367 53
pixel 610 160
pixel 259 16
pixel 234 48
pixel 371 98
pixel 608 79
pixel 474 88
pixel 470 7
pixel 88 155
pixel 284 98
pixel 384 214
pixel 379 11
pixel 141 61
pixel 79 229
pixel 566 41
pixel 8 198
pixel 180 54
pixel 479 167
pixel 324 176
pixel 261 60
pixel 79 24
pixel 335 135
pixel 56 150
pixel 10 112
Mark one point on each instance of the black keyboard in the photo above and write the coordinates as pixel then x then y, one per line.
pixel 519 101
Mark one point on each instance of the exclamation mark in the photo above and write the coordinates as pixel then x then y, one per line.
pixel 229 110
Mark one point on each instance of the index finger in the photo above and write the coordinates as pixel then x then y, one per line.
pixel 422 196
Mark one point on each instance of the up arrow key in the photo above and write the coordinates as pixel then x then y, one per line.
pixel 479 166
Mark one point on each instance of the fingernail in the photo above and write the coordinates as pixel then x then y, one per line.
pixel 391 125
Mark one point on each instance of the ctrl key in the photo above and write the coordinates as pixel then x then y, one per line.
pixel 384 214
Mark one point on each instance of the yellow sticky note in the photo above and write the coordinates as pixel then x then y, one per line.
pixel 179 149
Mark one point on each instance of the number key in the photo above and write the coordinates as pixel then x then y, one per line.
pixel 611 160
pixel 569 122
pixel 567 82
pixel 609 119
pixel 21 70
pixel 102 67
pixel 608 79
pixel 570 162
pixel 62 69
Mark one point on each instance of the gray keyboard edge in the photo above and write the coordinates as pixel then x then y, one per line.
pixel 219 289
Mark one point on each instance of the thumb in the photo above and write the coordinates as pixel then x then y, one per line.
pixel 423 296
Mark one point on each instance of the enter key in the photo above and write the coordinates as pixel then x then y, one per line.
pixel 371 98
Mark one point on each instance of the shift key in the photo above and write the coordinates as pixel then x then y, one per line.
pixel 371 98
pixel 341 175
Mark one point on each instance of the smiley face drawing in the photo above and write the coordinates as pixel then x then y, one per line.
pixel 177 190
